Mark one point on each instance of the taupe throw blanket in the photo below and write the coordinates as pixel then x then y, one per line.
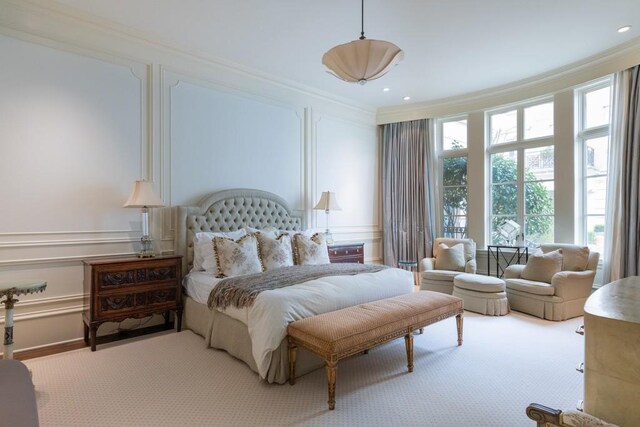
pixel 241 291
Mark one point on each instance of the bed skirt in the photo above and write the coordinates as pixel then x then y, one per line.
pixel 223 332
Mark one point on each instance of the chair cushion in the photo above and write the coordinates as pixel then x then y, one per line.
pixel 444 275
pixel 575 259
pixel 542 267
pixel 479 283
pixel 538 288
pixel 450 258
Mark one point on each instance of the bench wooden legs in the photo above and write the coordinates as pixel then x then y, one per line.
pixel 408 343
pixel 459 326
pixel 331 384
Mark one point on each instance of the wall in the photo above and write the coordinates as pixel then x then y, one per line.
pixel 86 110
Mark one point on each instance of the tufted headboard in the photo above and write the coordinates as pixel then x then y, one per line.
pixel 231 210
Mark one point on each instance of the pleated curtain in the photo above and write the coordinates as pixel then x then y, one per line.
pixel 407 189
pixel 622 237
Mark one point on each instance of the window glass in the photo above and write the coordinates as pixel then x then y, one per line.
pixel 596 111
pixel 454 135
pixel 504 200
pixel 538 163
pixel 539 228
pixel 595 233
pixel 504 167
pixel 538 121
pixel 597 156
pixel 596 197
pixel 504 127
pixel 454 171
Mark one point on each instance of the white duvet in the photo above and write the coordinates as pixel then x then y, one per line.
pixel 273 310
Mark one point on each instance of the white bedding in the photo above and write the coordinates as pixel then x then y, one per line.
pixel 268 317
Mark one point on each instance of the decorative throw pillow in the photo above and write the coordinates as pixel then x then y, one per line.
pixel 542 267
pixel 237 257
pixel 310 250
pixel 450 258
pixel 575 259
pixel 275 252
pixel 203 256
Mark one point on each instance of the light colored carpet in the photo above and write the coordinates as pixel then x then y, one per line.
pixel 504 364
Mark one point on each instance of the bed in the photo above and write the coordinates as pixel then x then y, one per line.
pixel 255 334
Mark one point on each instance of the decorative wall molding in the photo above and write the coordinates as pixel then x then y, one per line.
pixel 607 62
pixel 63 259
pixel 47 307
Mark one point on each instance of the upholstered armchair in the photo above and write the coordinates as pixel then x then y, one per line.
pixel 449 260
pixel 553 285
pixel 549 417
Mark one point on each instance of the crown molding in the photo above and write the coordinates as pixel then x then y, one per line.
pixel 560 79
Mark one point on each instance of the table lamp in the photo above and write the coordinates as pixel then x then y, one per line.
pixel 328 203
pixel 142 196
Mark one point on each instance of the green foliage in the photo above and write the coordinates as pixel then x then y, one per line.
pixel 505 196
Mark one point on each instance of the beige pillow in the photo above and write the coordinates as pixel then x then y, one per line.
pixel 310 250
pixel 204 257
pixel 542 267
pixel 275 252
pixel 237 257
pixel 450 258
pixel 575 259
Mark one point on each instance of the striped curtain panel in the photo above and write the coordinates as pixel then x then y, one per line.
pixel 407 190
pixel 622 237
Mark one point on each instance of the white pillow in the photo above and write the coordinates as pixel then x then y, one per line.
pixel 450 258
pixel 310 250
pixel 237 257
pixel 542 267
pixel 203 255
pixel 275 252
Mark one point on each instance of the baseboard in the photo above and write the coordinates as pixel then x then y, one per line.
pixel 79 343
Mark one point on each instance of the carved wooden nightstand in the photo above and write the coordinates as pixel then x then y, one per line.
pixel 353 252
pixel 120 288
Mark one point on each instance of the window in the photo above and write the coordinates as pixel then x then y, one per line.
pixel 522 166
pixel 593 104
pixel 452 143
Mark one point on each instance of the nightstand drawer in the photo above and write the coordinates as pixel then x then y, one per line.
pixel 347 253
pixel 129 304
pixel 113 278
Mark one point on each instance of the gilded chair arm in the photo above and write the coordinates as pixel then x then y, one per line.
pixel 573 284
pixel 471 266
pixel 427 264
pixel 548 417
pixel 513 271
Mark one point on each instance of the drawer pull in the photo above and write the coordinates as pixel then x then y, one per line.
pixel 580 330
pixel 580 367
pixel 346 252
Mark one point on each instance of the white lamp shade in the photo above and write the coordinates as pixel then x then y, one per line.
pixel 328 202
pixel 362 60
pixel 142 195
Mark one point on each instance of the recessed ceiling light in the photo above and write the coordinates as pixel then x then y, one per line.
pixel 386 89
pixel 406 98
pixel 624 29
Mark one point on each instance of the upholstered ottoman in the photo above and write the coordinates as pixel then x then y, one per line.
pixel 481 294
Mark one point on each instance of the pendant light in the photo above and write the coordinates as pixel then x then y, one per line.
pixel 362 60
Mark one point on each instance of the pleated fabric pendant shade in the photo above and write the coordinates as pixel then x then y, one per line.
pixel 362 60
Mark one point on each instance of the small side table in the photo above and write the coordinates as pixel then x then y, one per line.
pixel 9 291
pixel 512 255
pixel 411 266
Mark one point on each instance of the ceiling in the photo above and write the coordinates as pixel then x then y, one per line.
pixel 452 47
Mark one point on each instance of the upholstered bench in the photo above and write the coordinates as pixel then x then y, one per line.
pixel 343 333
pixel 482 294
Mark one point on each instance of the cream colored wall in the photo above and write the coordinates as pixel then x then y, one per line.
pixel 86 110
